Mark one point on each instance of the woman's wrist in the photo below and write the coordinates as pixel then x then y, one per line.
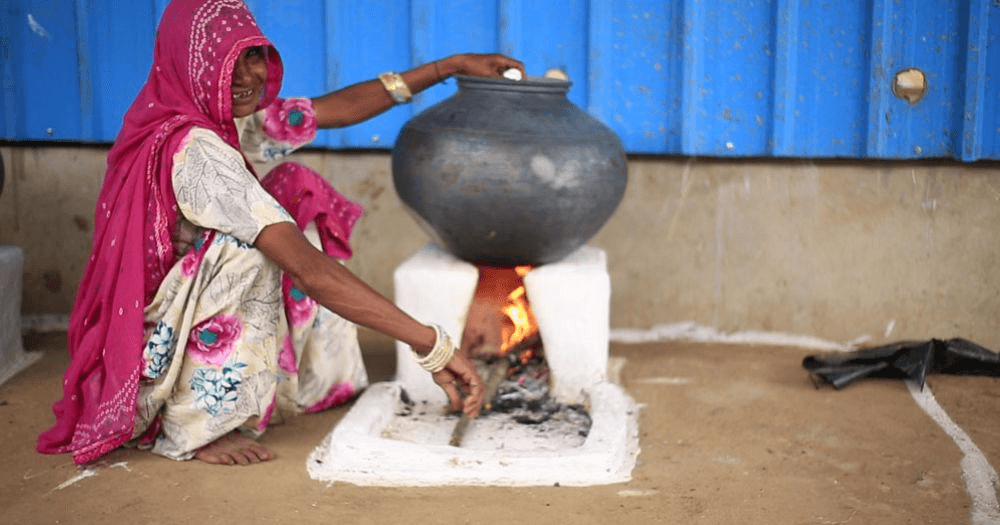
pixel 426 340
pixel 448 66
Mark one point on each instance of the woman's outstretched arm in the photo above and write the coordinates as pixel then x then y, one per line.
pixel 335 287
pixel 365 100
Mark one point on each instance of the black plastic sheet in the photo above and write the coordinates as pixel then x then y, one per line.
pixel 905 360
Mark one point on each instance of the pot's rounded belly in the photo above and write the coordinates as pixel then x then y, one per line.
pixel 522 186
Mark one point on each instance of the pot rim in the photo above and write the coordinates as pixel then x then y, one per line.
pixel 527 85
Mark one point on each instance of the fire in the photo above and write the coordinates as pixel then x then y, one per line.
pixel 504 289
pixel 522 324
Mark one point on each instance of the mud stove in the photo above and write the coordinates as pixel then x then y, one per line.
pixel 397 432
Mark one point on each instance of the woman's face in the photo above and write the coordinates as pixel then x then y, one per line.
pixel 249 78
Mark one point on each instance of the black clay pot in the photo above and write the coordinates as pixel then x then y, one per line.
pixel 509 172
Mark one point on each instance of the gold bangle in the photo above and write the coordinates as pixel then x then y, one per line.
pixel 396 87
pixel 437 71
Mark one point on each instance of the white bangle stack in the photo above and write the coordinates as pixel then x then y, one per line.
pixel 440 354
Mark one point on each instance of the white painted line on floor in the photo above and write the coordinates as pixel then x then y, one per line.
pixel 981 480
pixel 889 328
pixel 691 331
pixel 89 472
pixel 664 380
pixel 84 474
pixel 635 493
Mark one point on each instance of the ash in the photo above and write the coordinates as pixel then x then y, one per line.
pixel 523 417
pixel 524 396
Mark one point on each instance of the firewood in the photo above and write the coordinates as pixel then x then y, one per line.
pixel 497 373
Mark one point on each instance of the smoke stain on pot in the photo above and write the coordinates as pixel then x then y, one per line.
pixel 567 177
pixel 474 188
pixel 450 174
pixel 543 167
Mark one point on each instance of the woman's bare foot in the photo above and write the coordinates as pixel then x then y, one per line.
pixel 233 449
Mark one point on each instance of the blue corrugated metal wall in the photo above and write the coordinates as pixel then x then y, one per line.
pixel 786 78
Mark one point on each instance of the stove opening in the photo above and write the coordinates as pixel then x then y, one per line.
pixel 511 359
pixel 501 312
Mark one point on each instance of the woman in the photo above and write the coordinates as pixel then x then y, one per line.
pixel 197 313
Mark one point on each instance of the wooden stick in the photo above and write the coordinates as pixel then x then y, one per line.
pixel 459 432
pixel 497 373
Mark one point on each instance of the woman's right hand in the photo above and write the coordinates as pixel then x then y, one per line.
pixel 482 65
pixel 459 376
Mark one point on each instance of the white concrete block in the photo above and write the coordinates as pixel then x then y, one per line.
pixel 13 358
pixel 571 300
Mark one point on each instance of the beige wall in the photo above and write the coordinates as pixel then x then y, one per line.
pixel 836 250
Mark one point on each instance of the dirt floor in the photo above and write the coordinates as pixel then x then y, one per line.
pixel 729 434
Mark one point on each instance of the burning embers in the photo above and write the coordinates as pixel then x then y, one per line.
pixel 522 415
pixel 524 395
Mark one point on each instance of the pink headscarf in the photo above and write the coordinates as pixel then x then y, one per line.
pixel 197 44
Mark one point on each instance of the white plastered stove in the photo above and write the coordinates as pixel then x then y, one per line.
pixel 380 441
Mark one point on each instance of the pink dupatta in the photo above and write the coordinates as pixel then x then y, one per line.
pixel 197 44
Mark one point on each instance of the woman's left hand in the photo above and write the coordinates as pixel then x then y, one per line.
pixel 484 65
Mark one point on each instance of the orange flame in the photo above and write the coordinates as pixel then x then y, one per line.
pixel 503 288
pixel 520 323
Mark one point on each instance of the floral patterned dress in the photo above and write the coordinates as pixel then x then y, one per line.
pixel 227 338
